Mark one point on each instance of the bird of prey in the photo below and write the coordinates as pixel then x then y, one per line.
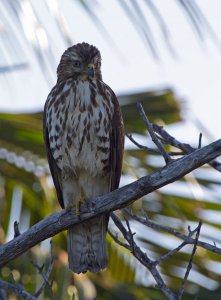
pixel 84 138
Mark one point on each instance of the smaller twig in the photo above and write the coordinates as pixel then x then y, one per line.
pixel 170 253
pixel 118 241
pixel 156 150
pixel 145 221
pixel 46 275
pixel 18 289
pixel 119 224
pixel 191 232
pixel 16 229
pixel 130 236
pixel 177 249
pixel 189 267
pixel 144 213
pixel 170 140
pixel 186 148
pixel 157 142
pixel 130 137
pixel 200 140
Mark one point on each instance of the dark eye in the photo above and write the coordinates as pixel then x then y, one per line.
pixel 77 63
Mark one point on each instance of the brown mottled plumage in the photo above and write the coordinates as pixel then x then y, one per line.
pixel 84 138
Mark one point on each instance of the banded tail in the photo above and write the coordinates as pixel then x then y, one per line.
pixel 87 246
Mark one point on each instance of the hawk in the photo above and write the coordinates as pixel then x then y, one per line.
pixel 84 138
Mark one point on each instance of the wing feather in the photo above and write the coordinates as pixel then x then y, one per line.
pixel 55 170
pixel 116 144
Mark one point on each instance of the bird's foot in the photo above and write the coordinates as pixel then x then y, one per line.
pixel 70 206
pixel 78 205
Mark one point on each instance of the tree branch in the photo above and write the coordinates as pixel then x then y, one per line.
pixel 157 142
pixel 18 289
pixel 142 147
pixel 189 267
pixel 166 138
pixel 187 238
pixel 117 199
pixel 143 257
pixel 46 275
pixel 150 264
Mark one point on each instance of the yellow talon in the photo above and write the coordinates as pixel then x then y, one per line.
pixel 77 204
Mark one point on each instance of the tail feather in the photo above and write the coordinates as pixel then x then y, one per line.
pixel 87 246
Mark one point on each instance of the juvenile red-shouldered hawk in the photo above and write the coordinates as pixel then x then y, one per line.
pixel 84 138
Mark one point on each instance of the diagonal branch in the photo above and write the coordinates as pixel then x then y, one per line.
pixel 117 199
pixel 149 126
pixel 187 238
pixel 46 275
pixel 142 147
pixel 118 241
pixel 166 138
pixel 143 257
pixel 189 267
pixel 18 289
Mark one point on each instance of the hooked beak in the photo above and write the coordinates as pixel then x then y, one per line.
pixel 90 70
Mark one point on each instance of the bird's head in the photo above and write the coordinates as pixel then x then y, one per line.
pixel 81 61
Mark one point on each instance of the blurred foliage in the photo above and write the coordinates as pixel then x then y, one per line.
pixel 161 105
pixel 17 129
